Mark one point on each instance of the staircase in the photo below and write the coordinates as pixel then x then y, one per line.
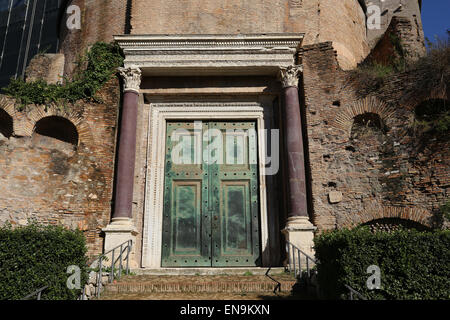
pixel 184 287
pixel 106 282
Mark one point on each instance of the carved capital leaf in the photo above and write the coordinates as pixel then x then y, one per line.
pixel 289 76
pixel 131 78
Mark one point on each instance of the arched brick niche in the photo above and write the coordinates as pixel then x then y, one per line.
pixel 58 128
pixel 411 101
pixel 376 212
pixel 366 124
pixel 73 120
pixel 432 110
pixel 7 112
pixel 6 124
pixel 368 111
pixel 394 224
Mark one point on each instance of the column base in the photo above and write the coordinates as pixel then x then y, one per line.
pixel 119 231
pixel 300 232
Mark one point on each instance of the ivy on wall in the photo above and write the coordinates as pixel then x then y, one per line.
pixel 101 61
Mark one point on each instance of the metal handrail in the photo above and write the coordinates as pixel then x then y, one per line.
pixel 121 258
pixel 295 259
pixel 354 292
pixel 278 285
pixel 38 292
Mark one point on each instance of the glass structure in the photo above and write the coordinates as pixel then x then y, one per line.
pixel 27 27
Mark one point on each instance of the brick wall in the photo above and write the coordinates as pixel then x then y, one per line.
pixel 367 173
pixel 405 32
pixel 52 181
pixel 410 9
pixel 100 21
pixel 342 22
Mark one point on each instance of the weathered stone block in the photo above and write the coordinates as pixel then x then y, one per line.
pixel 47 67
pixel 335 196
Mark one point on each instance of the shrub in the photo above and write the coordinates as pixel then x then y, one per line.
pixel 433 70
pixel 414 265
pixel 445 209
pixel 427 76
pixel 434 116
pixel 35 256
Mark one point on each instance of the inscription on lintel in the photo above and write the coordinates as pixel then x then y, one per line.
pixel 295 7
pixel 295 4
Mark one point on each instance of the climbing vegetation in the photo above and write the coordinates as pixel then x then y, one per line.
pixel 95 68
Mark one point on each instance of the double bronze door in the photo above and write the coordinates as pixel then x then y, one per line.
pixel 211 206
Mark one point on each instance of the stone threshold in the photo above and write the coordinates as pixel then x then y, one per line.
pixel 208 271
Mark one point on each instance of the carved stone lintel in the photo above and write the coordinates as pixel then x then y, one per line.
pixel 131 77
pixel 289 76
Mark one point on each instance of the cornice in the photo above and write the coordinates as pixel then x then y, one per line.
pixel 292 40
pixel 210 54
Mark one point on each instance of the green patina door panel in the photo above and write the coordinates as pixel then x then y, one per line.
pixel 234 190
pixel 211 207
pixel 186 221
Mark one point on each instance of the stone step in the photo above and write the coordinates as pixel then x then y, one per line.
pixel 200 284
pixel 207 287
pixel 207 271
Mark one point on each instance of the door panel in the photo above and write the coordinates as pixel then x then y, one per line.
pixel 186 221
pixel 235 228
pixel 235 219
pixel 211 212
pixel 186 218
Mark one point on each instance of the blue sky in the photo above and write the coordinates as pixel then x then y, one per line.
pixel 436 18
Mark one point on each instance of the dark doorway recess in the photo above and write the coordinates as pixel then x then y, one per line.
pixel 58 128
pixel 6 124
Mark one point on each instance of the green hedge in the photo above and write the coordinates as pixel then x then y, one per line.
pixel 414 265
pixel 35 256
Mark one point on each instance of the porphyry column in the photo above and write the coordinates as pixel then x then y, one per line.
pixel 299 230
pixel 121 227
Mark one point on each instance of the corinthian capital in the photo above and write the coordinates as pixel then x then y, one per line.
pixel 289 76
pixel 131 78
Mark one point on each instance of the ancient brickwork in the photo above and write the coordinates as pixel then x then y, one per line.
pixel 321 20
pixel 410 9
pixel 54 181
pixel 367 160
pixel 400 36
pixel 49 67
pixel 411 37
pixel 342 22
pixel 100 20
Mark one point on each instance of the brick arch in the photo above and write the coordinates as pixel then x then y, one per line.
pixel 58 128
pixel 7 105
pixel 413 101
pixel 435 102
pixel 345 117
pixel 39 112
pixel 393 224
pixel 376 212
